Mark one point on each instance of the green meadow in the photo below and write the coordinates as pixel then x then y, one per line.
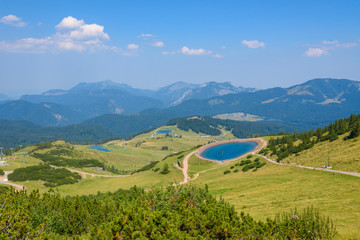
pixel 277 188
pixel 263 193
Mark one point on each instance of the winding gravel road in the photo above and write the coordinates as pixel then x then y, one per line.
pixel 355 174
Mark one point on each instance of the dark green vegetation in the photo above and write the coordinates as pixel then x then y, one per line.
pixel 148 167
pixel 53 158
pixel 197 125
pixel 14 133
pixel 165 170
pixel 53 176
pixel 212 126
pixel 182 212
pixel 297 142
pixel 2 172
pixel 247 165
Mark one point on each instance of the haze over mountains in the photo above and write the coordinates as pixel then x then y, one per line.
pixel 125 111
pixel 87 100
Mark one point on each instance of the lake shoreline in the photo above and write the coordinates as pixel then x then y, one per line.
pixel 259 146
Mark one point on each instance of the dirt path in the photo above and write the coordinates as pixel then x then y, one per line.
pixel 355 174
pixel 4 180
pixel 185 167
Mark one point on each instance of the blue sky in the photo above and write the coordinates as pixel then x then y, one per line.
pixel 149 44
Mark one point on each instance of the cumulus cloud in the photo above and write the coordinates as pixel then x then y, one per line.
pixel 71 35
pixel 326 47
pixel 253 43
pixel 187 51
pixel 158 44
pixel 70 23
pixel 13 21
pixel 315 52
pixel 132 46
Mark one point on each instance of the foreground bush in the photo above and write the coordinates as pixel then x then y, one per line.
pixel 182 212
pixel 53 176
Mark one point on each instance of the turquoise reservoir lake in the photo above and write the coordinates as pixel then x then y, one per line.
pixel 99 148
pixel 163 131
pixel 228 151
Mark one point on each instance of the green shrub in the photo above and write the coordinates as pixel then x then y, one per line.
pixel 181 212
pixel 226 172
pixel 53 158
pixel 156 169
pixel 165 169
pixel 53 176
pixel 249 156
pixel 147 167
pixel 236 170
pixel 231 167
pixel 244 162
pixel 2 172
pixel 165 148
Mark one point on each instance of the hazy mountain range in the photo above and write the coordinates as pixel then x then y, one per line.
pixel 87 100
pixel 124 110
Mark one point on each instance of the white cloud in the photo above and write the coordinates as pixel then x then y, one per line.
pixel 132 46
pixel 89 31
pixel 70 23
pixel 326 47
pixel 187 51
pixel 315 52
pixel 223 47
pixel 13 21
pixel 71 35
pixel 253 43
pixel 158 44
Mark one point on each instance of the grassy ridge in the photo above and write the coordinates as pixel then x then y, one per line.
pixel 275 188
pixel 344 155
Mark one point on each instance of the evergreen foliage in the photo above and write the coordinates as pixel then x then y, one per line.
pixel 183 212
pixel 284 146
pixel 147 167
pixel 211 126
pixel 53 176
pixel 54 158
pixel 165 170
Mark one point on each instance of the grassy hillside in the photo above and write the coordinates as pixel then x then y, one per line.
pixel 344 155
pixel 275 188
pixel 262 193
pixel 128 155
pixel 139 151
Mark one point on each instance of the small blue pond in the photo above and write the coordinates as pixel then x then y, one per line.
pixel 99 148
pixel 228 151
pixel 163 131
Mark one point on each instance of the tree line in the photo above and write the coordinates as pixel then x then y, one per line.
pixel 284 146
